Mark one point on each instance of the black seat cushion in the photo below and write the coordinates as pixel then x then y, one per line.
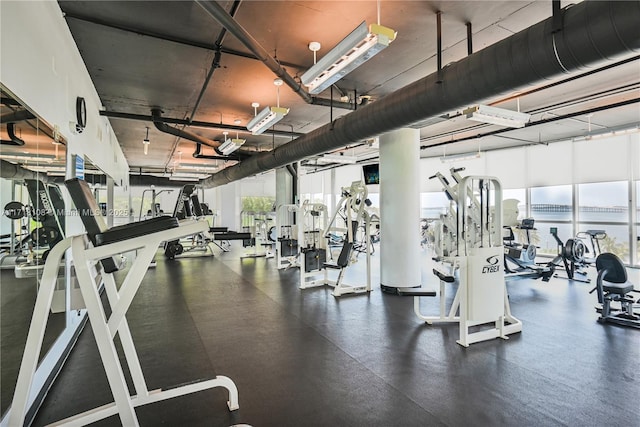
pixel 617 288
pixel 218 229
pixel 97 229
pixel 231 235
pixel 136 229
pixel 343 258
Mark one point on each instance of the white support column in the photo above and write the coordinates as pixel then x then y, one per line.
pixel 400 210
pixel 230 206
pixel 335 192
pixel 284 187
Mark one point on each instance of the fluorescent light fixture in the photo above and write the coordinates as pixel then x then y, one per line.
pixel 328 159
pixel 197 167
pixel 145 143
pixel 180 176
pixel 28 157
pixel 47 168
pixel 608 133
pixel 459 157
pixel 266 118
pixel 230 145
pixel 355 49
pixel 497 116
pixel 183 178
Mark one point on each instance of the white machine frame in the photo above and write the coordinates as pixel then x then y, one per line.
pixel 86 258
pixel 283 219
pixel 259 229
pixel 353 201
pixel 307 231
pixel 481 297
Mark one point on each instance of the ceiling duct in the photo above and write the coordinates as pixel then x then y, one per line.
pixel 16 116
pixel 163 127
pixel 235 156
pixel 12 171
pixel 592 31
pixel 13 138
pixel 218 13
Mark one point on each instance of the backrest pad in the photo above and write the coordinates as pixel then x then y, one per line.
pixel 90 214
pixel 88 209
pixel 616 273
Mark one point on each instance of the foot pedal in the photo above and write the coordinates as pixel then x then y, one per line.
pixel 415 292
pixel 407 292
pixel 444 277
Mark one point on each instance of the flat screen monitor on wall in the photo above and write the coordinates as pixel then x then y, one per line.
pixel 371 174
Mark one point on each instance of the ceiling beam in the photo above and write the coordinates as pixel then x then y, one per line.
pixel 530 124
pixel 194 123
pixel 167 37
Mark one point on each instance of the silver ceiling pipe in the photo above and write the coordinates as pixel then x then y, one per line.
pixel 163 127
pixel 12 171
pixel 218 13
pixel 16 116
pixel 592 31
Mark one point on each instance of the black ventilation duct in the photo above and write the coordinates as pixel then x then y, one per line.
pixel 13 138
pixel 12 171
pixel 592 31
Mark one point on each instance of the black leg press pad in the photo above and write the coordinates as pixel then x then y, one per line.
pixel 98 231
pixel 136 229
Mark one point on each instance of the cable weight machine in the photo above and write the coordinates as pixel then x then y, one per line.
pixel 475 251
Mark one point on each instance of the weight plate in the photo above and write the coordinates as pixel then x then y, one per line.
pixel 14 210
pixel 44 235
pixel 271 234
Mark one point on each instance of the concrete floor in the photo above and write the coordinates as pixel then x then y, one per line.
pixel 305 358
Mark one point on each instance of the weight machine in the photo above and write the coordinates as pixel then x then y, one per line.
pixel 188 207
pixel 47 208
pixel 155 210
pixel 352 209
pixel 258 226
pixel 93 252
pixel 614 292
pixel 287 236
pixel 313 246
pixel 475 253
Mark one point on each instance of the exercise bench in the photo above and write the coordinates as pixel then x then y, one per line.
pixel 94 251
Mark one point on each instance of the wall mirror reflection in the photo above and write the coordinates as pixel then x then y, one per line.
pixel 32 170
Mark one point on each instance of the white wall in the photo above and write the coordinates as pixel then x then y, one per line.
pixel 615 158
pixel 261 185
pixel 42 67
pixel 226 200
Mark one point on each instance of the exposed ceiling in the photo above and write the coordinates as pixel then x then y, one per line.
pixel 158 54
pixel 27 140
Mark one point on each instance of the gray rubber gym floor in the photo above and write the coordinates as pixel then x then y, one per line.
pixel 304 358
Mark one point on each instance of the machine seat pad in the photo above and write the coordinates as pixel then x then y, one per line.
pixel 332 266
pixel 617 288
pixel 231 235
pixel 136 229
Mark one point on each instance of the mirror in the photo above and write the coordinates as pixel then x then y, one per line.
pixel 32 170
